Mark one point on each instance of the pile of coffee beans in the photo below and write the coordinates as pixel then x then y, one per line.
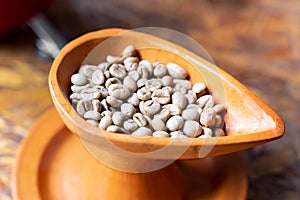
pixel 125 94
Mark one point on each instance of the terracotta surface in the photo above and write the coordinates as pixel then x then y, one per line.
pixel 255 41
pixel 50 166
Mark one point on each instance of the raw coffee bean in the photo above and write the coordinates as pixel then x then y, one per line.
pixel 174 109
pixel 198 87
pixel 184 83
pixel 111 81
pixel 219 108
pixel 142 132
pixel 161 96
pixel 130 83
pixel 175 123
pixel 128 109
pixel 177 134
pixel 88 70
pixel 148 119
pixel 158 125
pixel 176 71
pixel 90 93
pixel 191 98
pixel 143 71
pixel 128 51
pixel 191 128
pixel 160 70
pixel 103 66
pixel 207 131
pixel 106 113
pixel 92 115
pixel 102 90
pixel 218 121
pixel 97 105
pixel 205 102
pixel 130 125
pixel 134 74
pixel 105 122
pixel 194 106
pixel 207 117
pixel 163 115
pixel 107 74
pixel 79 88
pixel 98 77
pixel 118 118
pixel 114 102
pixel 141 82
pixel 133 99
pixel 118 91
pixel 115 129
pixel 75 96
pixel 82 69
pixel 83 106
pixel 153 84
pixel 167 81
pixel 118 71
pixel 190 114
pixel 179 88
pixel 114 59
pixel 168 88
pixel 139 119
pixel 149 107
pixel 79 79
pixel 131 60
pixel 179 99
pixel 147 65
pixel 143 94
pixel 131 66
pixel 104 104
pixel 160 134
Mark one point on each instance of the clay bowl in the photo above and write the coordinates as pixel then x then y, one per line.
pixel 248 120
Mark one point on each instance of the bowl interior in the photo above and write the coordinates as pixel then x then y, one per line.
pixel 248 120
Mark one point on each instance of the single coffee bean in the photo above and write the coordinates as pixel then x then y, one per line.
pixel 160 134
pixel 118 71
pixel 207 117
pixel 192 128
pixel 161 96
pixel 92 115
pixel 130 125
pixel 128 51
pixel 175 123
pixel 105 122
pixel 79 79
pixel 179 99
pixel 160 70
pixel 176 71
pixel 158 125
pixel 142 132
pixel 98 77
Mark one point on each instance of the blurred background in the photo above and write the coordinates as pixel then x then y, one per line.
pixel 255 41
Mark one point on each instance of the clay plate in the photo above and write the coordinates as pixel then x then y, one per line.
pixel 53 164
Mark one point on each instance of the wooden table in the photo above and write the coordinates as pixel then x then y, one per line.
pixel 256 41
